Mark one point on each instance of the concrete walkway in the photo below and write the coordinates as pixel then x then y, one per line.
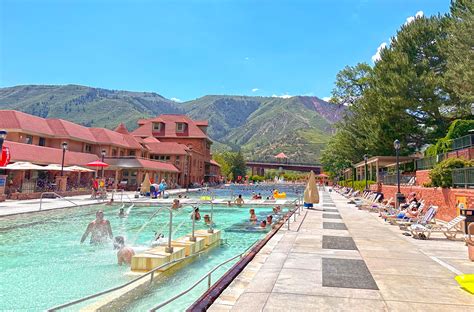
pixel 344 259
pixel 12 207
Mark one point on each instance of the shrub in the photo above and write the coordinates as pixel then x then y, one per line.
pixel 358 185
pixel 441 174
pixel 457 129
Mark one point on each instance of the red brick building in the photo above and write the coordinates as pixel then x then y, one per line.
pixel 171 147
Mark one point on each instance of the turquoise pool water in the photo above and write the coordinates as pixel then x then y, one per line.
pixel 42 263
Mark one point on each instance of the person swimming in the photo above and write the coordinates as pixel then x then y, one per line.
pixel 196 215
pixel 176 204
pixel 239 200
pixel 124 253
pixel 253 216
pixel 263 224
pixel 122 213
pixel 99 229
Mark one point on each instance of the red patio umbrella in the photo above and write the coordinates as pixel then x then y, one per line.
pixel 97 163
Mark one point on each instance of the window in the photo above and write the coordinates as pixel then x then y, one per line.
pixel 131 153
pixel 180 127
pixel 29 139
pixel 121 153
pixel 88 148
pixel 114 152
pixel 157 126
pixel 42 142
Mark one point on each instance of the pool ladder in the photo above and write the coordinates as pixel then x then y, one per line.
pixel 55 195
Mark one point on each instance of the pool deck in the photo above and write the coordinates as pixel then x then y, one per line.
pixel 13 207
pixel 344 259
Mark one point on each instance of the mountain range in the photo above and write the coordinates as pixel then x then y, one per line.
pixel 261 127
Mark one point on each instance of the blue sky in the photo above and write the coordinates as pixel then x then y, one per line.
pixel 187 49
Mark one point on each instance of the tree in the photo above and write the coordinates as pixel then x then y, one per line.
pixel 351 82
pixel 238 165
pixel 459 49
pixel 232 164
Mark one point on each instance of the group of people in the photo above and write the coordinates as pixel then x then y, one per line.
pixel 158 190
pixel 100 231
pixel 268 221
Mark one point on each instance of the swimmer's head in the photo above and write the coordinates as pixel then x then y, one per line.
pixel 119 242
pixel 99 214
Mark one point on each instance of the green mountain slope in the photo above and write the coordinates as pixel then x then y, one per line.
pixel 261 126
pixel 85 105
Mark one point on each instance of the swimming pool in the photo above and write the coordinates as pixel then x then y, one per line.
pixel 292 191
pixel 42 263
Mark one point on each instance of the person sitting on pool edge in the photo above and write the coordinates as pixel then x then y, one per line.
pixel 124 254
pixel 99 229
pixel 239 200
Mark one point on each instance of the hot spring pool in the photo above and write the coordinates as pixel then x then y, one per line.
pixel 42 263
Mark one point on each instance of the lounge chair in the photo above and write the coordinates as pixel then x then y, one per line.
pixel 394 219
pixel 450 229
pixel 422 219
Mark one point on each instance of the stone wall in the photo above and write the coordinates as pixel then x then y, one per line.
pixel 445 198
pixel 422 177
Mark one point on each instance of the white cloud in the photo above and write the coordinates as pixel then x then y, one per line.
pixel 176 100
pixel 410 19
pixel 255 89
pixel 283 96
pixel 327 98
pixel 376 56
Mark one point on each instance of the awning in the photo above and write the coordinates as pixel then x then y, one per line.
pixel 23 166
pixel 137 163
pixel 55 167
pixel 79 169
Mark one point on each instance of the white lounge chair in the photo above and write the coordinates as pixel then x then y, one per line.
pixel 450 229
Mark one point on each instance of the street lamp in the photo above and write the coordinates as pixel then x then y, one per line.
pixel 396 145
pixel 103 156
pixel 3 135
pixel 365 172
pixel 64 146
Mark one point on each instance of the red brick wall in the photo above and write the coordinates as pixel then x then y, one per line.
pixel 422 176
pixel 444 198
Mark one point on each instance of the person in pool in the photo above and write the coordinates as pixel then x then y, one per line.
pixel 99 229
pixel 239 200
pixel 124 253
pixel 122 213
pixel 263 224
pixel 253 216
pixel 207 219
pixel 176 204
pixel 269 219
pixel 197 215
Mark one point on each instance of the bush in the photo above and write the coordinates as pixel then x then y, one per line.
pixel 358 185
pixel 457 129
pixel 257 178
pixel 441 174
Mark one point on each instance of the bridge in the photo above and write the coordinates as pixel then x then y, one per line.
pixel 258 166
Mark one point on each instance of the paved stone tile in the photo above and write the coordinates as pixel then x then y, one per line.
pixel 330 210
pixel 219 308
pixel 294 302
pixel 275 260
pixel 334 226
pixel 251 302
pixel 331 216
pixel 347 273
pixel 338 242
pixel 298 281
pixel 400 306
pixel 304 261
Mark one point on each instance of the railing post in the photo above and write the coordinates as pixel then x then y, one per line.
pixel 209 281
pixel 465 178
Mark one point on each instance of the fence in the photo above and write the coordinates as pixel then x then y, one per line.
pixel 391 179
pixel 429 162
pixel 463 177
pixel 463 142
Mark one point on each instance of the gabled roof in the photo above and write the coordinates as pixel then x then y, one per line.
pixel 12 119
pixel 169 129
pixel 167 148
pixel 66 129
pixel 141 163
pixel 122 129
pixel 106 136
pixel 215 163
pixel 150 140
pixel 46 155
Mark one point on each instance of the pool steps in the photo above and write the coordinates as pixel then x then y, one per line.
pixel 152 258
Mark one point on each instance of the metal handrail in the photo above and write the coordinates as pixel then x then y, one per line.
pixel 57 195
pixel 208 275
pixel 151 272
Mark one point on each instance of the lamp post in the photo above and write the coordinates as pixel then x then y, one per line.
pixel 365 172
pixel 103 156
pixel 396 145
pixel 3 135
pixel 64 146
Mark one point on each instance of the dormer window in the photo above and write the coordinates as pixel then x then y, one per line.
pixel 157 126
pixel 180 127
